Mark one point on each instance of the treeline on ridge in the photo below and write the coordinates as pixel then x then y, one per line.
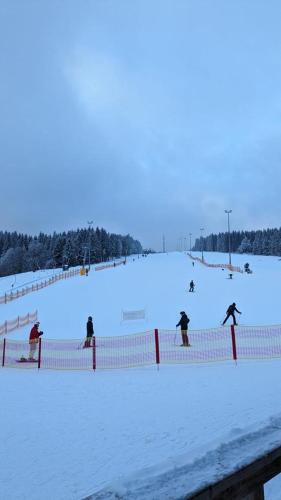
pixel 260 242
pixel 21 252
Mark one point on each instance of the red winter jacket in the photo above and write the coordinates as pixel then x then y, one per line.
pixel 34 335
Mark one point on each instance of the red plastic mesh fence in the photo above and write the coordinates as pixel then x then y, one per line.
pixel 205 346
pixel 142 349
pixel 15 351
pixel 108 352
pixel 65 354
pixel 254 342
pixel 125 351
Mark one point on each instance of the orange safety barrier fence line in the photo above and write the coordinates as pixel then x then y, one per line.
pixel 146 348
pixel 8 297
pixel 108 266
pixel 226 266
pixel 19 322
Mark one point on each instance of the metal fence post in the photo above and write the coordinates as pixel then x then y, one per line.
pixel 39 354
pixel 94 354
pixel 233 340
pixel 4 351
pixel 157 350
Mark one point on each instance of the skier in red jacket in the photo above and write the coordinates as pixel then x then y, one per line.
pixel 33 340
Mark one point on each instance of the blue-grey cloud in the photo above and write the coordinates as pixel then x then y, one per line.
pixel 148 117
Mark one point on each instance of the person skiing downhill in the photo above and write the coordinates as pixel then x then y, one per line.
pixel 183 323
pixel 191 286
pixel 33 340
pixel 230 312
pixel 90 332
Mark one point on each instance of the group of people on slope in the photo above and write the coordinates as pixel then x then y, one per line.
pixel 35 334
pixel 184 320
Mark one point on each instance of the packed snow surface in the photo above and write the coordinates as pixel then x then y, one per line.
pixel 66 435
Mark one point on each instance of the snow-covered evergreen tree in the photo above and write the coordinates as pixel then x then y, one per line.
pixel 245 246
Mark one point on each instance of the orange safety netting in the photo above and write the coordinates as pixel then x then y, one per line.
pixel 223 266
pixel 205 345
pixel 18 322
pixel 256 342
pixel 108 266
pixel 8 297
pixel 147 348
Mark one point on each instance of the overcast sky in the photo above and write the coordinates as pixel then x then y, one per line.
pixel 145 116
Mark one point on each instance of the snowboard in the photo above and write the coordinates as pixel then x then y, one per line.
pixel 26 360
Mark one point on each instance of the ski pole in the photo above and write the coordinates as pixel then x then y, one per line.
pixel 175 335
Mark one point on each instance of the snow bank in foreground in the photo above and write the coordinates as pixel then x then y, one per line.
pixel 187 474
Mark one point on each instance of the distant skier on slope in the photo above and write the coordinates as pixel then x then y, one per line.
pixel 230 312
pixel 90 332
pixel 183 323
pixel 191 286
pixel 33 340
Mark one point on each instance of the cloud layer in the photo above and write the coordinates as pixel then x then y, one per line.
pixel 148 117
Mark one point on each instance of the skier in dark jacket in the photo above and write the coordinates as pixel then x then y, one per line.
pixel 90 332
pixel 230 312
pixel 183 323
pixel 191 286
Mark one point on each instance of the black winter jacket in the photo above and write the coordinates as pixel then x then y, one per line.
pixel 90 328
pixel 231 309
pixel 183 322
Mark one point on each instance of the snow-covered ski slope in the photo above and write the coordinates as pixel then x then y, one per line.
pixel 65 435
pixel 158 284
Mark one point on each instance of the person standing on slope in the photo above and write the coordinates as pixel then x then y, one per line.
pixel 33 340
pixel 191 286
pixel 230 312
pixel 90 332
pixel 183 323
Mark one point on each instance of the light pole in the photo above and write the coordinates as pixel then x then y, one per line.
pixel 228 212
pixel 90 222
pixel 190 234
pixel 185 247
pixel 164 244
pixel 202 229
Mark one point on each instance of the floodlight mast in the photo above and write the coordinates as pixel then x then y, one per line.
pixel 228 227
pixel 202 242
pixel 90 224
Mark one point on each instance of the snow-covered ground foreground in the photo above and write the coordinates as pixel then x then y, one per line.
pixel 66 435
